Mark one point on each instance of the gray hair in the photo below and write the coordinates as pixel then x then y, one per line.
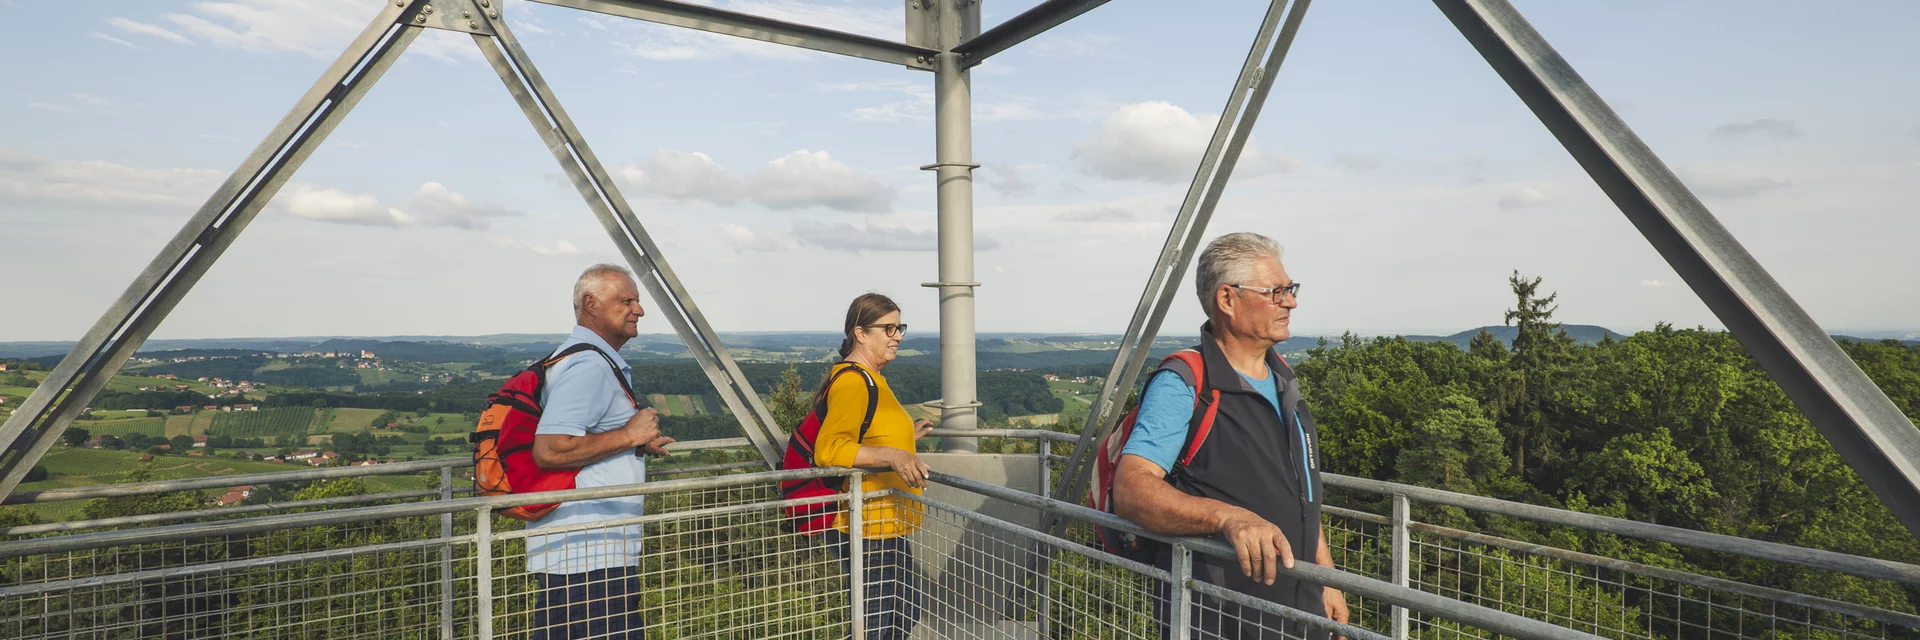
pixel 593 281
pixel 1229 260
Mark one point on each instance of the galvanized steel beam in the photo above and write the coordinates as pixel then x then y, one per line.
pixel 752 27
pixel 1230 135
pixel 1865 427
pixel 180 264
pixel 1028 24
pixel 596 186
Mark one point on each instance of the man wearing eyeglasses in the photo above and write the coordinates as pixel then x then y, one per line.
pixel 1254 482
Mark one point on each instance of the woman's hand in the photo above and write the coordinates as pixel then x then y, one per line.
pixel 911 468
pixel 921 428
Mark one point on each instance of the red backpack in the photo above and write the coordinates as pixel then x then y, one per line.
pixel 503 441
pixel 1107 458
pixel 811 519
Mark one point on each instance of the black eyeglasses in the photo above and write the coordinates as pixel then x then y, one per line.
pixel 892 330
pixel 1292 291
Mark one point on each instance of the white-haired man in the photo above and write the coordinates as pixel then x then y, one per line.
pixel 1254 482
pixel 589 585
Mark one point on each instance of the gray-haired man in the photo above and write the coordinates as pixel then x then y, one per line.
pixel 590 421
pixel 1255 481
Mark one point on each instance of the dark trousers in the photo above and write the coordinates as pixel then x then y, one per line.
pixel 892 584
pixel 1214 619
pixel 595 604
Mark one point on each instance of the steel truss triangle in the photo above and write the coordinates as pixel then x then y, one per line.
pixel 33 428
pixel 1861 422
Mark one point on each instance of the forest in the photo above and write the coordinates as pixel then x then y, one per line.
pixel 1673 426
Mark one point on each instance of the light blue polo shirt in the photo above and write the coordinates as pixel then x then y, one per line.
pixel 1166 411
pixel 582 396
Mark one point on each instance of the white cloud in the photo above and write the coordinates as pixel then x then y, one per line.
pixel 1655 284
pixel 1071 46
pixel 814 179
pixel 142 28
pixel 101 36
pixel 1769 127
pixel 1524 197
pixel 1351 163
pixel 841 236
pixel 433 205
pixel 1160 142
pixel 798 180
pixel 744 239
pixel 1096 214
pixel 1006 180
pixel 316 29
pixel 1710 183
pixel 90 99
pixel 96 185
pixel 44 106
pixel 556 248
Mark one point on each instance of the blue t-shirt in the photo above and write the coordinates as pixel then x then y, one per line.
pixel 1166 408
pixel 581 397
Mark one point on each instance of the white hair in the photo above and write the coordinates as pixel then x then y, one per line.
pixel 594 282
pixel 1229 260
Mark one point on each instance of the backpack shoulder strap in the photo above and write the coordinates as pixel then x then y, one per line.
pixel 873 398
pixel 1206 402
pixel 583 347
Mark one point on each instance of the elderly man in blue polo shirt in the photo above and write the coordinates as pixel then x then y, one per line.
pixel 589 582
pixel 1254 483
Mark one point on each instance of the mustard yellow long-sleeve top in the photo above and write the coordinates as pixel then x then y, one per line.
pixel 839 441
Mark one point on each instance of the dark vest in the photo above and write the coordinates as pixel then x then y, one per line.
pixel 1263 461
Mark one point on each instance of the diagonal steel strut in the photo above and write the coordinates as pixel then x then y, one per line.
pixel 1865 427
pixel 1216 167
pixel 153 294
pixel 584 170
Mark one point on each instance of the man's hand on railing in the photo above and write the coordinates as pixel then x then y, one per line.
pixel 1336 607
pixel 1258 543
pixel 657 448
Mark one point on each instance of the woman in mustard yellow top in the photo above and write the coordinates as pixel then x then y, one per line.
pixel 873 331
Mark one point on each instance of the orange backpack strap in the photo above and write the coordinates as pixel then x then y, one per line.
pixel 1206 401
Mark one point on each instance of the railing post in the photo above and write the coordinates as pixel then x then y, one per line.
pixel 446 557
pixel 483 572
pixel 856 553
pixel 1046 468
pixel 1401 560
pixel 1180 615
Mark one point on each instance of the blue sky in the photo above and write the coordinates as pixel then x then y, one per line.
pixel 1404 178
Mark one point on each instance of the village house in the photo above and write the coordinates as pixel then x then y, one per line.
pixel 1050 377
pixel 366 354
pixel 3 366
pixel 146 458
pixel 199 441
pixel 196 454
pixel 245 407
pixel 235 495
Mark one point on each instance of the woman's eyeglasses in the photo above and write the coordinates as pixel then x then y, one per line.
pixel 893 330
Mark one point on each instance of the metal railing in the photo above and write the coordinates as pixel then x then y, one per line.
pixel 716 563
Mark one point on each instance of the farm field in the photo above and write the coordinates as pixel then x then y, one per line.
pixel 447 423
pixel 283 424
pixel 194 424
pixel 1076 394
pixel 73 467
pixel 348 420
pixel 151 427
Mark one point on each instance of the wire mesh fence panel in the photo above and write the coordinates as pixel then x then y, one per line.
pixel 701 564
pixel 387 591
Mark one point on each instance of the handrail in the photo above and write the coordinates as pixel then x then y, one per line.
pixel 214 482
pixel 1037 434
pixel 1475 615
pixel 103 539
pixel 1815 558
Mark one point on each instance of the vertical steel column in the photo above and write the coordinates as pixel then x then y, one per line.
pixel 1865 427
pixel 1046 468
pixel 856 553
pixel 1249 95
pixel 205 237
pixel 483 571
pixel 596 186
pixel 1401 560
pixel 446 557
pixel 1180 609
pixel 957 21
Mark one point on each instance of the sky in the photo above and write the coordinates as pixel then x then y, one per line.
pixel 1403 177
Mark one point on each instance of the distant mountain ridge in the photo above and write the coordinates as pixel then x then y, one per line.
pixel 1002 350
